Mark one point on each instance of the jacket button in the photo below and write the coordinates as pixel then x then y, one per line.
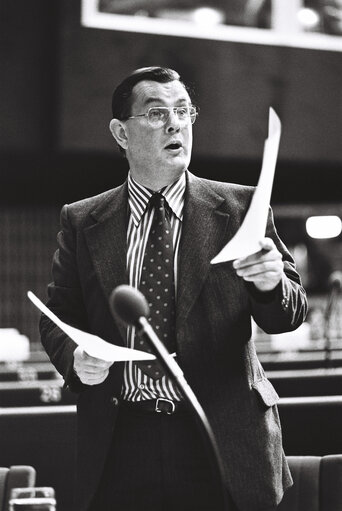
pixel 114 401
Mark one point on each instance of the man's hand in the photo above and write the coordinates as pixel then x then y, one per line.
pixel 265 268
pixel 90 370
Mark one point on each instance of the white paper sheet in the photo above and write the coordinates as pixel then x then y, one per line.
pixel 247 239
pixel 92 344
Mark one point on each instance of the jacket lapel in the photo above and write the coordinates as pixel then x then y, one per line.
pixel 203 236
pixel 204 233
pixel 107 240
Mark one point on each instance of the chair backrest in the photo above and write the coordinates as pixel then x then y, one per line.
pixel 317 484
pixel 17 476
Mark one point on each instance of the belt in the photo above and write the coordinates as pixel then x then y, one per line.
pixel 160 405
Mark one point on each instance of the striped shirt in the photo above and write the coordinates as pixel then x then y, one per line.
pixel 138 386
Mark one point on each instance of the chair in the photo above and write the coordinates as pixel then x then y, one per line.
pixel 17 476
pixel 317 484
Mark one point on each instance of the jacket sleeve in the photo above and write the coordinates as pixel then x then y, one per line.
pixel 65 300
pixel 284 308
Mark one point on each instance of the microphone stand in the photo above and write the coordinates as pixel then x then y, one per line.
pixel 176 374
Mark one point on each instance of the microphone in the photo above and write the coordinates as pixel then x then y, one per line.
pixel 130 306
pixel 335 286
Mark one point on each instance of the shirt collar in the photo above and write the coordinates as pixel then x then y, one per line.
pixel 139 196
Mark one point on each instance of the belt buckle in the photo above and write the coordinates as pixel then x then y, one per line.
pixel 171 409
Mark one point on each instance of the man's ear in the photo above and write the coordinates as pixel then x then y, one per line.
pixel 118 130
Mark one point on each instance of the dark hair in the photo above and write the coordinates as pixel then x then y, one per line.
pixel 122 96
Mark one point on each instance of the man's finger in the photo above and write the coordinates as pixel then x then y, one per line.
pixel 259 269
pixel 267 244
pixel 262 277
pixel 93 378
pixel 257 258
pixel 95 362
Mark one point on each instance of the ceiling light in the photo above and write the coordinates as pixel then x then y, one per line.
pixel 323 227
pixel 308 18
pixel 208 16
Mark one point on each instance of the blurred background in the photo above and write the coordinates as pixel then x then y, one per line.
pixel 55 147
pixel 60 62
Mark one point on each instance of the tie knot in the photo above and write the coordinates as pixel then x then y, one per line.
pixel 157 200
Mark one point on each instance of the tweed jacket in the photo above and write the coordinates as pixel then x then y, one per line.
pixel 213 328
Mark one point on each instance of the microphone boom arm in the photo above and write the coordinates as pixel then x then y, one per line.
pixel 129 306
pixel 176 374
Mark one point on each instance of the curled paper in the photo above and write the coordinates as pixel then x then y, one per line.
pixel 92 344
pixel 247 239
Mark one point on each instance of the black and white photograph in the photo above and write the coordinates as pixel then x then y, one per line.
pixel 171 255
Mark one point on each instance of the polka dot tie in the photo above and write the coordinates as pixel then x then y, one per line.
pixel 157 285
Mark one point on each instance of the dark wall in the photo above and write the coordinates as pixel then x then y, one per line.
pixel 28 65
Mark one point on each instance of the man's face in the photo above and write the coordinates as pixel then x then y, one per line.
pixel 153 162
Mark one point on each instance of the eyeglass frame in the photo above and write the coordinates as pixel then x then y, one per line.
pixel 168 108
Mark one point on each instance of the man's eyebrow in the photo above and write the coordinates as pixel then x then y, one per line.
pixel 152 99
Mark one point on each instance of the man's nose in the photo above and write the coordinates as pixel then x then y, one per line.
pixel 173 123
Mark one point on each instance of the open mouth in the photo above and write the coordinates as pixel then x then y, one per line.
pixel 174 146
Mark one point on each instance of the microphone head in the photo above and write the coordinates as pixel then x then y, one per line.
pixel 128 304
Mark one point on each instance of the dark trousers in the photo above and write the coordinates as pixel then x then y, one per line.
pixel 157 462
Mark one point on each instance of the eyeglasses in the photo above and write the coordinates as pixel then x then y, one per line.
pixel 158 116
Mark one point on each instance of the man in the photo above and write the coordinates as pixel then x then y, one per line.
pixel 138 445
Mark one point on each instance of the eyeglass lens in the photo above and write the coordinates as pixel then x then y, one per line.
pixel 158 116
